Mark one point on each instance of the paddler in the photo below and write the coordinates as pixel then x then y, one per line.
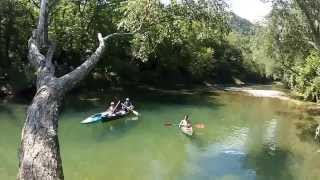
pixel 127 105
pixel 111 107
pixel 185 122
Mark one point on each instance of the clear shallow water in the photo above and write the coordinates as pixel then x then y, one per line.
pixel 244 138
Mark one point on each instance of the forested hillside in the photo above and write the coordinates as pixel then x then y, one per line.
pixel 241 25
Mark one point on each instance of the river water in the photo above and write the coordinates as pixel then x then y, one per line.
pixel 245 138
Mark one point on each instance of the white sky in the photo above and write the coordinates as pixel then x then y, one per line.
pixel 252 10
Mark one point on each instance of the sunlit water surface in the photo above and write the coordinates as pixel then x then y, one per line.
pixel 245 138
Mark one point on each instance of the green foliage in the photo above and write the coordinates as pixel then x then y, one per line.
pixel 16 20
pixel 183 41
pixel 190 28
pixel 307 81
pixel 76 23
pixel 241 25
pixel 287 46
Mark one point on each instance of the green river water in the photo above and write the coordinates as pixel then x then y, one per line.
pixel 245 138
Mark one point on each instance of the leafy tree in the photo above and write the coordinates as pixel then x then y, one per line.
pixel 190 29
pixel 291 43
pixel 308 77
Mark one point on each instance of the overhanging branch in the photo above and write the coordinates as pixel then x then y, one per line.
pixel 69 80
pixel 115 34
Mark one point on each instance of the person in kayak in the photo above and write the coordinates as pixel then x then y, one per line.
pixel 111 107
pixel 127 105
pixel 185 122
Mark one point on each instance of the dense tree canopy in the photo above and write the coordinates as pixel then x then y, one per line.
pixel 183 41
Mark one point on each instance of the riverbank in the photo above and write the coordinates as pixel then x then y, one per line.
pixel 268 91
pixel 274 90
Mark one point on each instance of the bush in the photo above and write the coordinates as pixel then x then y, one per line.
pixel 307 79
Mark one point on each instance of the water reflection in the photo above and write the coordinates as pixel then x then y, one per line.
pixel 115 129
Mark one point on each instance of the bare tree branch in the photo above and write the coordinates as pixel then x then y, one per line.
pixel 69 80
pixel 115 34
pixel 42 28
pixel 313 45
pixel 49 57
pixel 34 55
pixel 34 3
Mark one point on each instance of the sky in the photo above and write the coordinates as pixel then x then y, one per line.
pixel 252 10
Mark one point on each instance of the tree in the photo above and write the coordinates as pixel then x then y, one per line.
pixel 310 8
pixel 291 39
pixel 180 37
pixel 39 156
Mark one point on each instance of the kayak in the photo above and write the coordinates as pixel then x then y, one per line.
pixel 187 130
pixel 104 116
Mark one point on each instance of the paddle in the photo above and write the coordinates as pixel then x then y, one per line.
pixel 133 111
pixel 115 107
pixel 170 124
pixel 199 125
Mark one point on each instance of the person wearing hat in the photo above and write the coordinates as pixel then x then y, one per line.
pixel 111 107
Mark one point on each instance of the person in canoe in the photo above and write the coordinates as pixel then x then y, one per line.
pixel 185 122
pixel 127 105
pixel 111 107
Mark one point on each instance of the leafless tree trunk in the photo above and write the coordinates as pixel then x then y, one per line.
pixel 39 155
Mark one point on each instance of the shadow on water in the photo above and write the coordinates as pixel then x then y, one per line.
pixel 6 109
pixel 313 111
pixel 305 126
pixel 291 114
pixel 140 98
pixel 306 129
pixel 10 112
pixel 225 165
pixel 198 141
pixel 270 164
pixel 77 104
pixel 115 129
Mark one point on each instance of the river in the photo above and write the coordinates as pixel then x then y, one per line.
pixel 245 138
